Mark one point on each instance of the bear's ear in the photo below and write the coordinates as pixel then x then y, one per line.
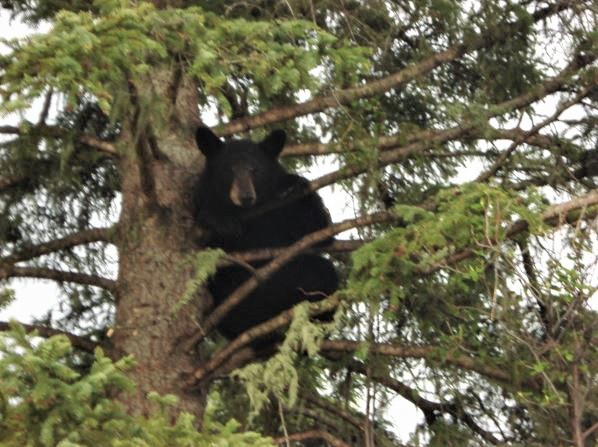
pixel 207 141
pixel 273 143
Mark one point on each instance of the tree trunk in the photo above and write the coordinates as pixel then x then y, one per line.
pixel 155 248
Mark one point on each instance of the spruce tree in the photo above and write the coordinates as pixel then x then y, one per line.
pixel 464 136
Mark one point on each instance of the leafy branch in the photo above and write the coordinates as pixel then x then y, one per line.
pixel 345 96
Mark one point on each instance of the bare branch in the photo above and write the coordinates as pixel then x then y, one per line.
pixel 534 284
pixel 9 271
pixel 46 107
pixel 576 402
pixel 395 141
pixel 77 341
pixel 590 430
pixel 342 97
pixel 431 353
pixel 82 237
pixel 330 407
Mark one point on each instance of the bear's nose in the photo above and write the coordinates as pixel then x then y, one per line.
pixel 247 200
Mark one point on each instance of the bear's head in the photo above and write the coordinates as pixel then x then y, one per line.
pixel 241 172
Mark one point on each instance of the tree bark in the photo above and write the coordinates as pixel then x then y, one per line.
pixel 155 230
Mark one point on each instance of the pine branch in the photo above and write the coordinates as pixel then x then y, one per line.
pixel 80 238
pixel 563 212
pixel 342 97
pixel 83 343
pixel 568 212
pixel 10 271
pixel 554 215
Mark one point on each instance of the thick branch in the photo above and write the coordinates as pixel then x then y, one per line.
pixel 263 254
pixel 345 96
pixel 82 237
pixel 395 141
pixel 7 272
pixel 77 341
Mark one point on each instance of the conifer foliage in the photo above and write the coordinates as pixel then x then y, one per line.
pixel 463 136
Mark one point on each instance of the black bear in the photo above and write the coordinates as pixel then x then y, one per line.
pixel 239 177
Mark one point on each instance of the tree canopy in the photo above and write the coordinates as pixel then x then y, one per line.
pixel 463 138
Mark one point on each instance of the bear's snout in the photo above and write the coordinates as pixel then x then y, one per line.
pixel 242 191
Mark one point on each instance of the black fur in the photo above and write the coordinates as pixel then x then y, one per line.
pixel 260 180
